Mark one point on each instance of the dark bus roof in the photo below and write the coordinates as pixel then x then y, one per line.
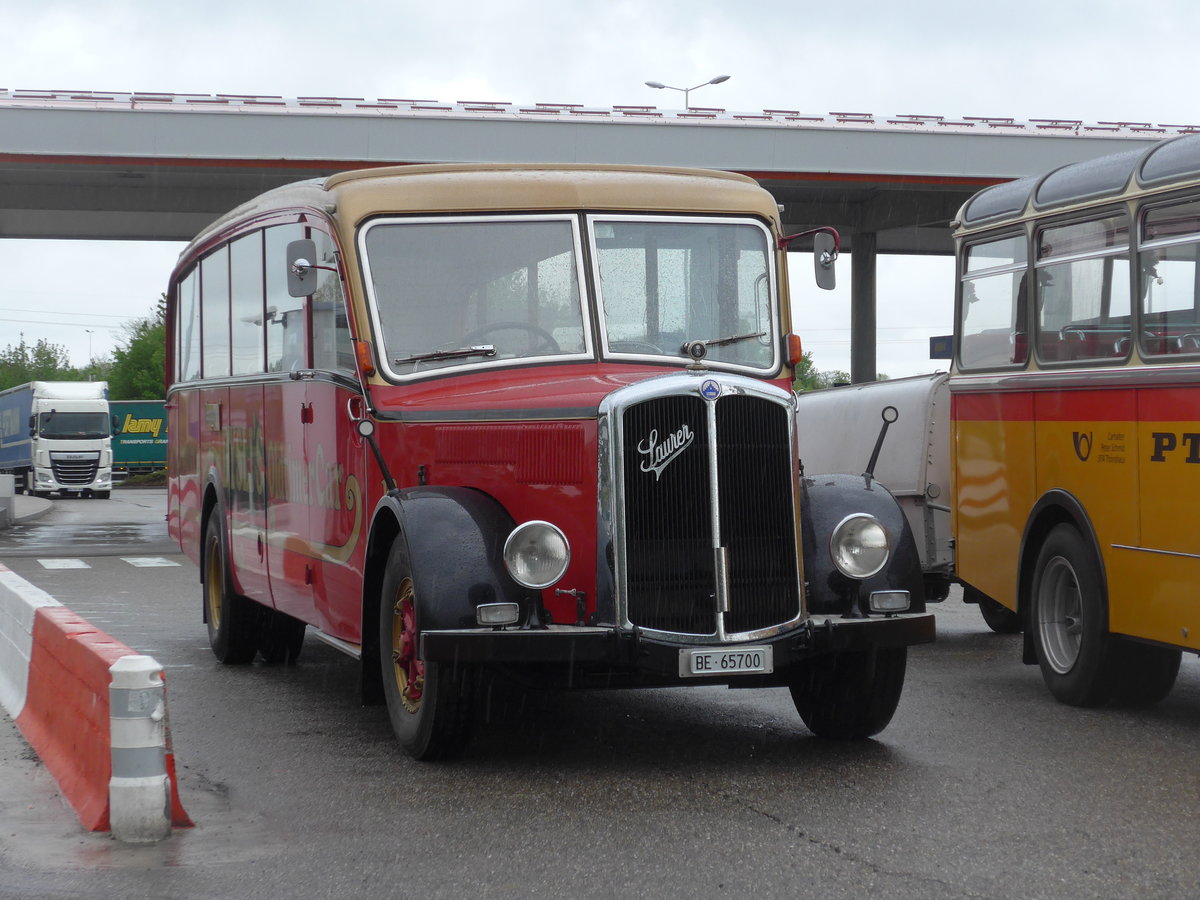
pixel 1172 160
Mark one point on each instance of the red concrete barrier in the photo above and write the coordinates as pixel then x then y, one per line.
pixel 66 712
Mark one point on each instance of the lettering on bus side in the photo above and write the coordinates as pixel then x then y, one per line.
pixel 1168 442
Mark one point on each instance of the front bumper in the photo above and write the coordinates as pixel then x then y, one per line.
pixel 630 651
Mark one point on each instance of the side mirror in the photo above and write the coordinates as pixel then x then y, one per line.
pixel 824 253
pixel 301 273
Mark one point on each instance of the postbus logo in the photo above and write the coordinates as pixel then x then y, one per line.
pixel 657 455
pixel 1083 445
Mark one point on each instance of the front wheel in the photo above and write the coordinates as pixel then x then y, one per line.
pixel 429 703
pixel 853 694
pixel 1069 620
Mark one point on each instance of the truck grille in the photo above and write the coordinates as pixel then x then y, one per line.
pixel 673 450
pixel 75 468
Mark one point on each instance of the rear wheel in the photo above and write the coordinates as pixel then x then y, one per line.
pixel 853 694
pixel 280 637
pixel 232 621
pixel 997 616
pixel 429 703
pixel 100 495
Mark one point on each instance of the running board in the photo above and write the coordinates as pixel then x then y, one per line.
pixel 353 650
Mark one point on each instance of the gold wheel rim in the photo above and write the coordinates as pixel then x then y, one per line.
pixel 407 669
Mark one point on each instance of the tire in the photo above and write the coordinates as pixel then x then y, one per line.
pixel 999 617
pixel 430 704
pixel 1147 673
pixel 280 637
pixel 100 495
pixel 1069 621
pixel 232 619
pixel 853 694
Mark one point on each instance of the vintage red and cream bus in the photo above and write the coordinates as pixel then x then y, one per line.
pixel 464 422
pixel 1076 416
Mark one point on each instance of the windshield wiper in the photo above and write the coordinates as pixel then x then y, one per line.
pixel 699 349
pixel 457 353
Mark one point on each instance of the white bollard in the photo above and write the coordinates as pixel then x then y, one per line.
pixel 139 792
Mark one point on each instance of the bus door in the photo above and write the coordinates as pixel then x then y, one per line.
pixel 285 405
pixel 245 476
pixel 335 456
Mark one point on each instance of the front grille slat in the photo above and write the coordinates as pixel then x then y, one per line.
pixel 668 527
pixel 754 473
pixel 81 472
pixel 670 574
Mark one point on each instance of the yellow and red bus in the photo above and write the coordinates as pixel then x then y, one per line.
pixel 1076 416
pixel 462 422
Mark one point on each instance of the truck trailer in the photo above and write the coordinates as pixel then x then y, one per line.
pixel 139 442
pixel 55 436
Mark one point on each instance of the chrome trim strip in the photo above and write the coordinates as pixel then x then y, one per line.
pixel 1040 380
pixel 553 414
pixel 352 650
pixel 1159 552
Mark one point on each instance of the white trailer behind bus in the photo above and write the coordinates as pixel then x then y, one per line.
pixel 914 464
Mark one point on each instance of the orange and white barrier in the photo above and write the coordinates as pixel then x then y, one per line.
pixel 65 683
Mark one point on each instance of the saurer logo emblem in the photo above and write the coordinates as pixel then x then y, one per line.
pixel 658 455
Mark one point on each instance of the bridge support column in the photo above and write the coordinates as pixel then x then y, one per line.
pixel 863 366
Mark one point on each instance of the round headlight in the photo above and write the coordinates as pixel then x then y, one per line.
pixel 859 546
pixel 536 554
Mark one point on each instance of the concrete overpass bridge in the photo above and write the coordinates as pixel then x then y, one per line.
pixel 160 166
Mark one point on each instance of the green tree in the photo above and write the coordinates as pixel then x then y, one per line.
pixel 138 369
pixel 809 378
pixel 43 361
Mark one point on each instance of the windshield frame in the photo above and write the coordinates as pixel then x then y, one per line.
pixel 471 363
pixel 677 355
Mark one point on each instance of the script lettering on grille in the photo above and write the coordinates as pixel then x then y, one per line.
pixel 660 455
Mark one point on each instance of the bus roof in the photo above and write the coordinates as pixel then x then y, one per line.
pixel 1170 161
pixel 490 188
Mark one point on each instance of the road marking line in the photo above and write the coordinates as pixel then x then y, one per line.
pixel 63 564
pixel 147 561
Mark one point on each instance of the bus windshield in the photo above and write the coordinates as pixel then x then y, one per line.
pixel 665 283
pixel 77 426
pixel 467 292
pixel 456 292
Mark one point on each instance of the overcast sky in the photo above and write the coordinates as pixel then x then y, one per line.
pixel 1078 59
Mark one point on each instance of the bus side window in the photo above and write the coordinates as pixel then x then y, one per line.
pixel 187 328
pixel 214 312
pixel 332 347
pixel 993 308
pixel 1168 266
pixel 287 339
pixel 1083 291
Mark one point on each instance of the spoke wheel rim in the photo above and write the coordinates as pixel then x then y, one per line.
pixel 408 670
pixel 212 583
pixel 1060 615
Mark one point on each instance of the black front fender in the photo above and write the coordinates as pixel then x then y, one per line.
pixel 455 540
pixel 825 501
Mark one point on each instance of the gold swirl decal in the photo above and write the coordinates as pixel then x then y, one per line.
pixel 339 554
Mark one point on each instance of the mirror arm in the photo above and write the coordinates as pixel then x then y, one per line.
pixel 786 239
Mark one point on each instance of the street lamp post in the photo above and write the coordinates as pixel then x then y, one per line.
pixel 89 334
pixel 686 91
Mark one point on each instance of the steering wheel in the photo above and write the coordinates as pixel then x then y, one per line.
pixel 546 341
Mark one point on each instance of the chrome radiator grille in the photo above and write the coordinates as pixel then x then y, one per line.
pixel 74 468
pixel 691 471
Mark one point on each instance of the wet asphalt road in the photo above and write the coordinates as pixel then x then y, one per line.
pixel 982 786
